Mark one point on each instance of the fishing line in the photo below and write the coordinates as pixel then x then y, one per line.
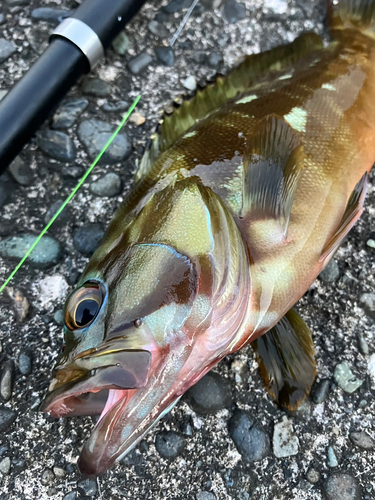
pixel 89 170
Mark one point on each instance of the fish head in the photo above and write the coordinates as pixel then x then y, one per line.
pixel 129 330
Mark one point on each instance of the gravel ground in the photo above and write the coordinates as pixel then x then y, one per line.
pixel 233 442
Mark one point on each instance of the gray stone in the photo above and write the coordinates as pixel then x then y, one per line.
pixel 250 439
pixel 86 239
pixel 205 495
pixel 345 379
pixel 313 476
pixel 234 11
pixel 72 495
pixel 2 19
pixel 169 444
pixel 158 29
pixel 215 59
pixel 367 301
pixel 320 391
pixel 176 6
pixel 58 317
pixel 330 273
pixel 6 49
pixel 5 466
pixel 56 145
pixel 46 253
pixel 331 457
pixel 7 380
pixel 38 40
pixel 121 44
pixel 165 55
pixel 211 4
pixel 341 487
pixel 94 135
pixel 108 185
pixel 277 7
pixel 21 172
pixel 370 243
pixel 210 394
pixel 96 87
pixel 362 440
pixel 285 442
pixel 6 190
pixel 190 83
pixel 112 107
pixel 139 63
pixel 25 362
pixel 50 15
pixel 362 344
pixel 7 417
pixel 3 93
pixel 87 487
pixel 72 171
pixel 63 217
pixel 47 477
pixel 68 112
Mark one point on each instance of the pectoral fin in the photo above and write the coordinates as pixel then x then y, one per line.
pixel 286 360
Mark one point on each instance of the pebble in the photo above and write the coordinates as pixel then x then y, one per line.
pixel 205 495
pixel 362 440
pixel 86 239
pixel 345 378
pixel 72 171
pixel 176 6
pixel 111 107
pixel 46 253
pixel 186 429
pixel 215 59
pixel 6 227
pixel 62 219
pixel 47 477
pixel 158 29
pixel 6 189
pixel 21 172
pixel 38 39
pixel 96 87
pixel 331 457
pixel 50 15
pixel 56 145
pixel 94 135
pixel 87 487
pixel 367 301
pixel 5 466
pixel 7 380
pixel 330 273
pixel 121 44
pixel 276 6
pixel 2 21
pixel 211 4
pixel 341 487
pixel 362 344
pixel 20 303
pixel 234 11
pixel 371 368
pixel 313 476
pixel 72 495
pixel 371 242
pixel 190 83
pixel 108 185
pixel 7 417
pixel 59 317
pixel 51 289
pixel 250 439
pixel 285 442
pixel 139 63
pixel 25 362
pixel 59 472
pixel 165 55
pixel 169 444
pixel 210 394
pixel 68 112
pixel 3 93
pixel 6 49
pixel 320 391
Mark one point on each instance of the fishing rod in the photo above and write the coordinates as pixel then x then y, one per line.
pixel 76 46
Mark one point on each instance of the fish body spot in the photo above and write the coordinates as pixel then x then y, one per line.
pixel 328 86
pixel 190 134
pixel 285 77
pixel 297 119
pixel 247 99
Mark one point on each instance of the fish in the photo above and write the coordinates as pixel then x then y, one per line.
pixel 243 196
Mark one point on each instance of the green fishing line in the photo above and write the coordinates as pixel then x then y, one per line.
pixel 87 173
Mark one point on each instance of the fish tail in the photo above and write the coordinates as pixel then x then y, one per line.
pixel 356 15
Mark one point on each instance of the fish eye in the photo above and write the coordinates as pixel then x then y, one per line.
pixel 83 306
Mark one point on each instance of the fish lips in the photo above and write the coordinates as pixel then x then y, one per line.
pixel 87 395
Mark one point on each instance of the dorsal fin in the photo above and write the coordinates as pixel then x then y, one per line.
pixel 221 90
pixel 353 211
pixel 273 163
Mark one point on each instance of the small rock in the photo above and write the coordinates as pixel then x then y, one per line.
pixel 52 289
pixel 169 444
pixel 56 145
pixel 7 417
pixel 190 83
pixel 59 318
pixel 46 253
pixel 137 119
pixel 341 487
pixel 285 442
pixel 312 476
pixel 6 189
pixel 6 49
pixel 68 112
pixel 94 135
pixel 165 55
pixel 3 93
pixel 367 301
pixel 371 368
pixel 330 273
pixel 234 11
pixel 345 379
pixel 2 21
pixel 362 344
pixel 59 472
pixel 331 457
pixel 87 487
pixel 112 107
pixel 50 15
pixel 250 439
pixel 139 63
pixel 21 172
pixel 7 380
pixel 72 171
pixel 72 495
pixel 320 391
pixel 25 362
pixel 121 44
pixel 158 29
pixel 86 239
pixel 211 4
pixel 63 217
pixel 186 429
pixel 215 59
pixel 38 40
pixel 6 227
pixel 205 495
pixel 176 6
pixel 276 6
pixel 96 87
pixel 210 394
pixel 362 440
pixel 5 466
pixel 108 185
pixel 47 477
pixel 370 243
pixel 20 303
